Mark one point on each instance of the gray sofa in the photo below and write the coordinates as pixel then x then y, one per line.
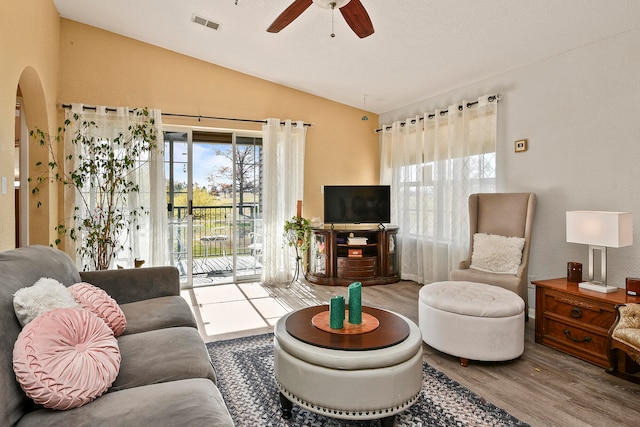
pixel 166 377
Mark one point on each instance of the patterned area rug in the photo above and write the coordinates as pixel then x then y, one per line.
pixel 245 377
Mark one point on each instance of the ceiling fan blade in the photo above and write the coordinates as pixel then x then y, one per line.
pixel 357 18
pixel 292 12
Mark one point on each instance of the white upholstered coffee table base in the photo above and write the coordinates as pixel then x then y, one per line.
pixel 365 384
pixel 473 321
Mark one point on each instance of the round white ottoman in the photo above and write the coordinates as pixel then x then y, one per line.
pixel 356 385
pixel 473 321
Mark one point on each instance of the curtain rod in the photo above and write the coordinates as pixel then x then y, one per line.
pixel 190 116
pixel 491 98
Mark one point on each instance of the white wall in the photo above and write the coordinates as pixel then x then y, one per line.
pixel 580 112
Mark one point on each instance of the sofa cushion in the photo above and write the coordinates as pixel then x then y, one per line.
pixel 136 284
pixel 46 294
pixel 65 358
pixel 157 313
pixel 101 304
pixel 193 403
pixel 163 355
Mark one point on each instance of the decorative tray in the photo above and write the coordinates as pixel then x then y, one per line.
pixel 369 323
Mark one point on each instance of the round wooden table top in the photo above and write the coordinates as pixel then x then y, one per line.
pixel 391 330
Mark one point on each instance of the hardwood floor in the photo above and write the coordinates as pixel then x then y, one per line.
pixel 543 387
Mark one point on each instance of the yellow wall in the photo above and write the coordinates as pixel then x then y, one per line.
pixel 29 52
pixel 56 61
pixel 99 67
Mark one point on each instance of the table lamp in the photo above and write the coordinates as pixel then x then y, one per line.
pixel 600 230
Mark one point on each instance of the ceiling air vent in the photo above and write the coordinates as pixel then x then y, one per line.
pixel 204 21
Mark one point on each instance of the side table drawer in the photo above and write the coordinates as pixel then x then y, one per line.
pixel 575 340
pixel 580 310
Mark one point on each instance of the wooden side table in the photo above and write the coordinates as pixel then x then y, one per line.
pixel 576 321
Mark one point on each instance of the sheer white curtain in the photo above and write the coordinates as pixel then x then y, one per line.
pixel 283 186
pixel 433 163
pixel 147 241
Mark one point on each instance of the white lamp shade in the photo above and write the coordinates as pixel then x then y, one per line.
pixel 597 228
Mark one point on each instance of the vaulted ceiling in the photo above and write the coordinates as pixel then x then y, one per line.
pixel 420 48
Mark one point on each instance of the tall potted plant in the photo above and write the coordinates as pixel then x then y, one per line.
pixel 102 173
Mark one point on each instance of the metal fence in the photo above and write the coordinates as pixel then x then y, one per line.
pixel 214 229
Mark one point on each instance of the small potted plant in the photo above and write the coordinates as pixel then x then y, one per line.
pixel 297 232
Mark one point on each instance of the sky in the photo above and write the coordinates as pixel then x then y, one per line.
pixel 205 161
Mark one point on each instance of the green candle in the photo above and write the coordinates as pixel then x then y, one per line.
pixel 355 303
pixel 336 312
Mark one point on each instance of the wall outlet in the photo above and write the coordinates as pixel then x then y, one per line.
pixel 531 279
pixel 531 295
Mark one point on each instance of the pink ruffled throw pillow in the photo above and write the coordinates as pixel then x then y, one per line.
pixel 65 358
pixel 101 304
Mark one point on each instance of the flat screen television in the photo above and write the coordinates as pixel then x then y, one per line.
pixel 357 204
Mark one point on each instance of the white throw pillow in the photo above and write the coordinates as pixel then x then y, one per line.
pixel 46 294
pixel 496 254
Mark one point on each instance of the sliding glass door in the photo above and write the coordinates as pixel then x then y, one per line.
pixel 214 203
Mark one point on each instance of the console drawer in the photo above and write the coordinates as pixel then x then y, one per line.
pixel 356 268
pixel 357 263
pixel 355 274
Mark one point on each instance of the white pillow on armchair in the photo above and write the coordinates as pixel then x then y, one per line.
pixel 496 254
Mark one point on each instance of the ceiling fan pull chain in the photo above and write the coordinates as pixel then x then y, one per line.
pixel 333 9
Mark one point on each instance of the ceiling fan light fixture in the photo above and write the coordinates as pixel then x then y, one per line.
pixel 330 4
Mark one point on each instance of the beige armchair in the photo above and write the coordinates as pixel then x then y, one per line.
pixel 503 214
pixel 623 343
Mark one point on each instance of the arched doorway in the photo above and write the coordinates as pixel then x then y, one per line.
pixel 20 183
pixel 32 225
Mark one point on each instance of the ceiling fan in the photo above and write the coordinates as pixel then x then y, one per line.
pixel 352 10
